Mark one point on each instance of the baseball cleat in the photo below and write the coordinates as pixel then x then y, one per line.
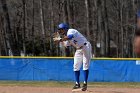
pixel 84 87
pixel 76 87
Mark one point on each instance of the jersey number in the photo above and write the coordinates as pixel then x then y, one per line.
pixel 74 41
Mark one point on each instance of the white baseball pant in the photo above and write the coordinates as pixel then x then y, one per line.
pixel 82 56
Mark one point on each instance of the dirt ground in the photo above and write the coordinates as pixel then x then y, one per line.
pixel 27 89
pixel 65 87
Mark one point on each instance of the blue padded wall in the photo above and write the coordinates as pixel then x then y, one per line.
pixel 50 69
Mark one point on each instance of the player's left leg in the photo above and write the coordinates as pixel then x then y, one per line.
pixel 86 63
pixel 76 67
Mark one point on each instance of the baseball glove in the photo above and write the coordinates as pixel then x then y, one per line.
pixel 56 37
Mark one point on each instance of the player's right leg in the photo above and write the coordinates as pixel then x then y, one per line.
pixel 76 67
pixel 86 63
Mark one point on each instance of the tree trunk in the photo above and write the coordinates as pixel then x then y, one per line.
pixel 42 27
pixel 87 18
pixel 52 30
pixel 99 29
pixel 24 27
pixel 107 30
pixel 8 27
pixel 33 33
pixel 122 32
pixel 65 15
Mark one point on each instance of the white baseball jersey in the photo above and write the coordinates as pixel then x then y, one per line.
pixel 78 39
pixel 82 55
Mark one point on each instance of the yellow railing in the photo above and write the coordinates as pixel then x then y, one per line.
pixel 98 58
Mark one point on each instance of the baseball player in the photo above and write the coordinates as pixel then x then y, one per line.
pixel 82 54
pixel 138 19
pixel 136 43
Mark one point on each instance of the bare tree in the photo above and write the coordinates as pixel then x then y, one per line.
pixel 42 26
pixel 87 18
pixel 8 30
pixel 24 26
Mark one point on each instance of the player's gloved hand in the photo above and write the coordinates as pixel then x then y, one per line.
pixel 57 39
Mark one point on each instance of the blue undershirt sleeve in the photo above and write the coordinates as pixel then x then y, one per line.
pixel 70 36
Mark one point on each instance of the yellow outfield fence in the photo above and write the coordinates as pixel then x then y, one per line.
pixel 96 58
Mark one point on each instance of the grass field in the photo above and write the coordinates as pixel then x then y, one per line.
pixel 65 87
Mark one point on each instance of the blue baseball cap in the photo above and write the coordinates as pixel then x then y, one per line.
pixel 63 26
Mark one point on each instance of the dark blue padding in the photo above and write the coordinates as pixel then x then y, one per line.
pixel 62 70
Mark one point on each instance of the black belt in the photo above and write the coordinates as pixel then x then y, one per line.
pixel 85 43
pixel 82 46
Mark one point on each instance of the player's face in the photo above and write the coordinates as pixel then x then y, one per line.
pixel 61 31
pixel 137 45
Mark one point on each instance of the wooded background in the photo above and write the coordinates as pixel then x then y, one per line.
pixel 26 26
